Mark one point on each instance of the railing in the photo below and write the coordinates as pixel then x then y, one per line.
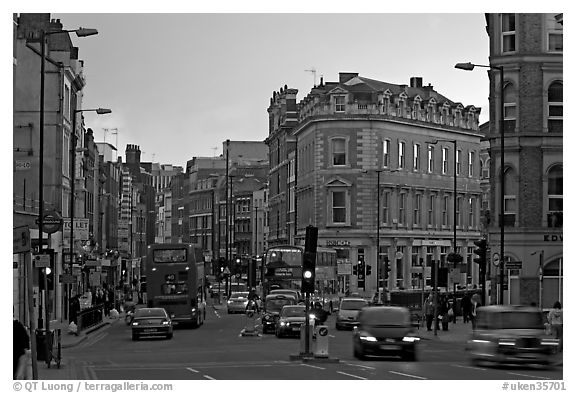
pixel 90 317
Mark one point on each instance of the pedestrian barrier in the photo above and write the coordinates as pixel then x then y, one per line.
pixel 90 317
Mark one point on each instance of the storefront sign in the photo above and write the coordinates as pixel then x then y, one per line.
pixel 338 243
pixel 552 238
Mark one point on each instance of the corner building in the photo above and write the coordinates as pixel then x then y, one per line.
pixel 327 154
pixel 530 49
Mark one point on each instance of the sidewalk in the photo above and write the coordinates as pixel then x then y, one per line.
pixel 457 332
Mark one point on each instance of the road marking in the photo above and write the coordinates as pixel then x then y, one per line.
pixel 526 375
pixel 191 369
pixel 309 365
pixel 359 365
pixel 470 367
pixel 331 336
pixel 350 375
pixel 209 377
pixel 407 375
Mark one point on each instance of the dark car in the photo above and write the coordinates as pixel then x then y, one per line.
pixel 385 331
pixel 511 335
pixel 151 322
pixel 272 306
pixel 290 321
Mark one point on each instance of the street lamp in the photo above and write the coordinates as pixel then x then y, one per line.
pixel 100 111
pixel 469 67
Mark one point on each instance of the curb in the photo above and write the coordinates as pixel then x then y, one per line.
pixel 84 335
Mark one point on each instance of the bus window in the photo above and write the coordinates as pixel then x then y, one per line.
pixel 174 289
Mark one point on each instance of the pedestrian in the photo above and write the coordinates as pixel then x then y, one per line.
pixel 475 303
pixel 21 345
pixel 466 306
pixel 429 312
pixel 444 307
pixel 74 308
pixel 556 323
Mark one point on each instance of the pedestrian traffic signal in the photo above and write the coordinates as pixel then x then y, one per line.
pixel 368 270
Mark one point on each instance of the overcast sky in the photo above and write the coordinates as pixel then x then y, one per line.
pixel 181 84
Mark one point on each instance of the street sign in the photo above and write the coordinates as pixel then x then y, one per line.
pixel 81 226
pixel 42 260
pixel 513 265
pixel 51 222
pixel 21 237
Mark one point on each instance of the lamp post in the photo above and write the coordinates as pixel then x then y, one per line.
pixel 100 111
pixel 540 274
pixel 378 236
pixel 469 67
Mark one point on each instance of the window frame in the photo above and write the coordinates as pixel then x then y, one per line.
pixel 416 157
pixel 444 160
pixel 333 152
pixel 557 104
pixel 385 206
pixel 458 162
pixel 401 154
pixel 402 199
pixel 339 104
pixel 386 143
pixel 510 92
pixel 337 190
pixel 507 34
pixel 431 210
pixel 471 159
pixel 417 209
pixel 430 159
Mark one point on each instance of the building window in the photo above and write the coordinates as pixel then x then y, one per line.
pixel 338 151
pixel 340 105
pixel 385 208
pixel 386 153
pixel 445 203
pixel 555 28
pixel 66 155
pixel 444 160
pixel 431 210
pixel 486 170
pixel 402 209
pixel 555 107
pixel 417 209
pixel 555 196
pixel 458 162
pixel 67 102
pixel 471 157
pixel 509 108
pixel 338 205
pixel 458 212
pixel 430 158
pixel 401 154
pixel 509 198
pixel 508 32
pixel 471 215
pixel 416 161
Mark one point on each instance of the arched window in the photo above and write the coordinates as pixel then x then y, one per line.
pixel 555 196
pixel 555 107
pixel 509 198
pixel 509 108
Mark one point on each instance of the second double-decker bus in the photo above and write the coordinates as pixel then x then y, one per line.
pixel 176 282
pixel 283 268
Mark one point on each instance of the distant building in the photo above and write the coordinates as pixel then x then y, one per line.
pixel 530 48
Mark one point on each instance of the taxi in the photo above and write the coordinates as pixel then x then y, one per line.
pixel 272 306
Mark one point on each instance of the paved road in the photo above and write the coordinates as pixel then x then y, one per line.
pixel 218 351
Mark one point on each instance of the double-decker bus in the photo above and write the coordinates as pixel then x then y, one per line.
pixel 176 281
pixel 283 268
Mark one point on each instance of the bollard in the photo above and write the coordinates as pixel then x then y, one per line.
pixel 250 325
pixel 321 341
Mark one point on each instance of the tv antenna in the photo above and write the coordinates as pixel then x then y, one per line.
pixel 313 71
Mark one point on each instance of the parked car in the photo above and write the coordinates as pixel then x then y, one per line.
pixel 272 306
pixel 347 316
pixel 151 322
pixel 385 331
pixel 511 334
pixel 291 320
pixel 237 302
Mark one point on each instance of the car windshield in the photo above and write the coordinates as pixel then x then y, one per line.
pixel 284 292
pixel 353 304
pixel 276 304
pixel 239 295
pixel 390 317
pixel 510 320
pixel 293 312
pixel 150 312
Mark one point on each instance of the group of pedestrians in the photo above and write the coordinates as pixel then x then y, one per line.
pixel 103 296
pixel 446 312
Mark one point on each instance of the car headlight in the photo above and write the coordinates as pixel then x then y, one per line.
pixel 366 337
pixel 312 316
pixel 478 341
pixel 410 339
pixel 165 322
pixel 506 342
pixel 229 302
pixel 134 323
pixel 549 341
pixel 282 323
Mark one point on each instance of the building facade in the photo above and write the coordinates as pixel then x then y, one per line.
pixel 530 49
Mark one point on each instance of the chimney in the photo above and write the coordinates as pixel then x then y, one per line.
pixel 416 81
pixel 346 76
pixel 132 154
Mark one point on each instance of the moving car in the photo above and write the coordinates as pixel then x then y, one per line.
pixel 290 292
pixel 348 310
pixel 272 306
pixel 237 302
pixel 291 320
pixel 385 331
pixel 510 335
pixel 151 322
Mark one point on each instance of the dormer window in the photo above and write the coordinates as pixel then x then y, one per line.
pixel 340 104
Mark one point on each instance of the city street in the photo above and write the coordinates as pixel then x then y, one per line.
pixel 218 351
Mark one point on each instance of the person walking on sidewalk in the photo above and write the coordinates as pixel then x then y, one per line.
pixel 21 344
pixel 475 304
pixel 556 323
pixel 429 312
pixel 466 306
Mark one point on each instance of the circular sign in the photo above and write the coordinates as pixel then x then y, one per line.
pixel 399 255
pixel 323 331
pixel 51 222
pixel 496 259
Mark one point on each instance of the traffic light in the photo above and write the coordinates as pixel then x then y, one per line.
pixel 361 271
pixel 309 260
pixel 368 270
pixel 237 266
pixel 386 270
pixel 355 270
pixel 481 252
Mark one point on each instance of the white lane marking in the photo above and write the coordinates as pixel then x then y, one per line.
pixel 350 375
pixel 469 367
pixel 526 375
pixel 209 377
pixel 331 336
pixel 407 375
pixel 309 365
pixel 191 369
pixel 359 365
